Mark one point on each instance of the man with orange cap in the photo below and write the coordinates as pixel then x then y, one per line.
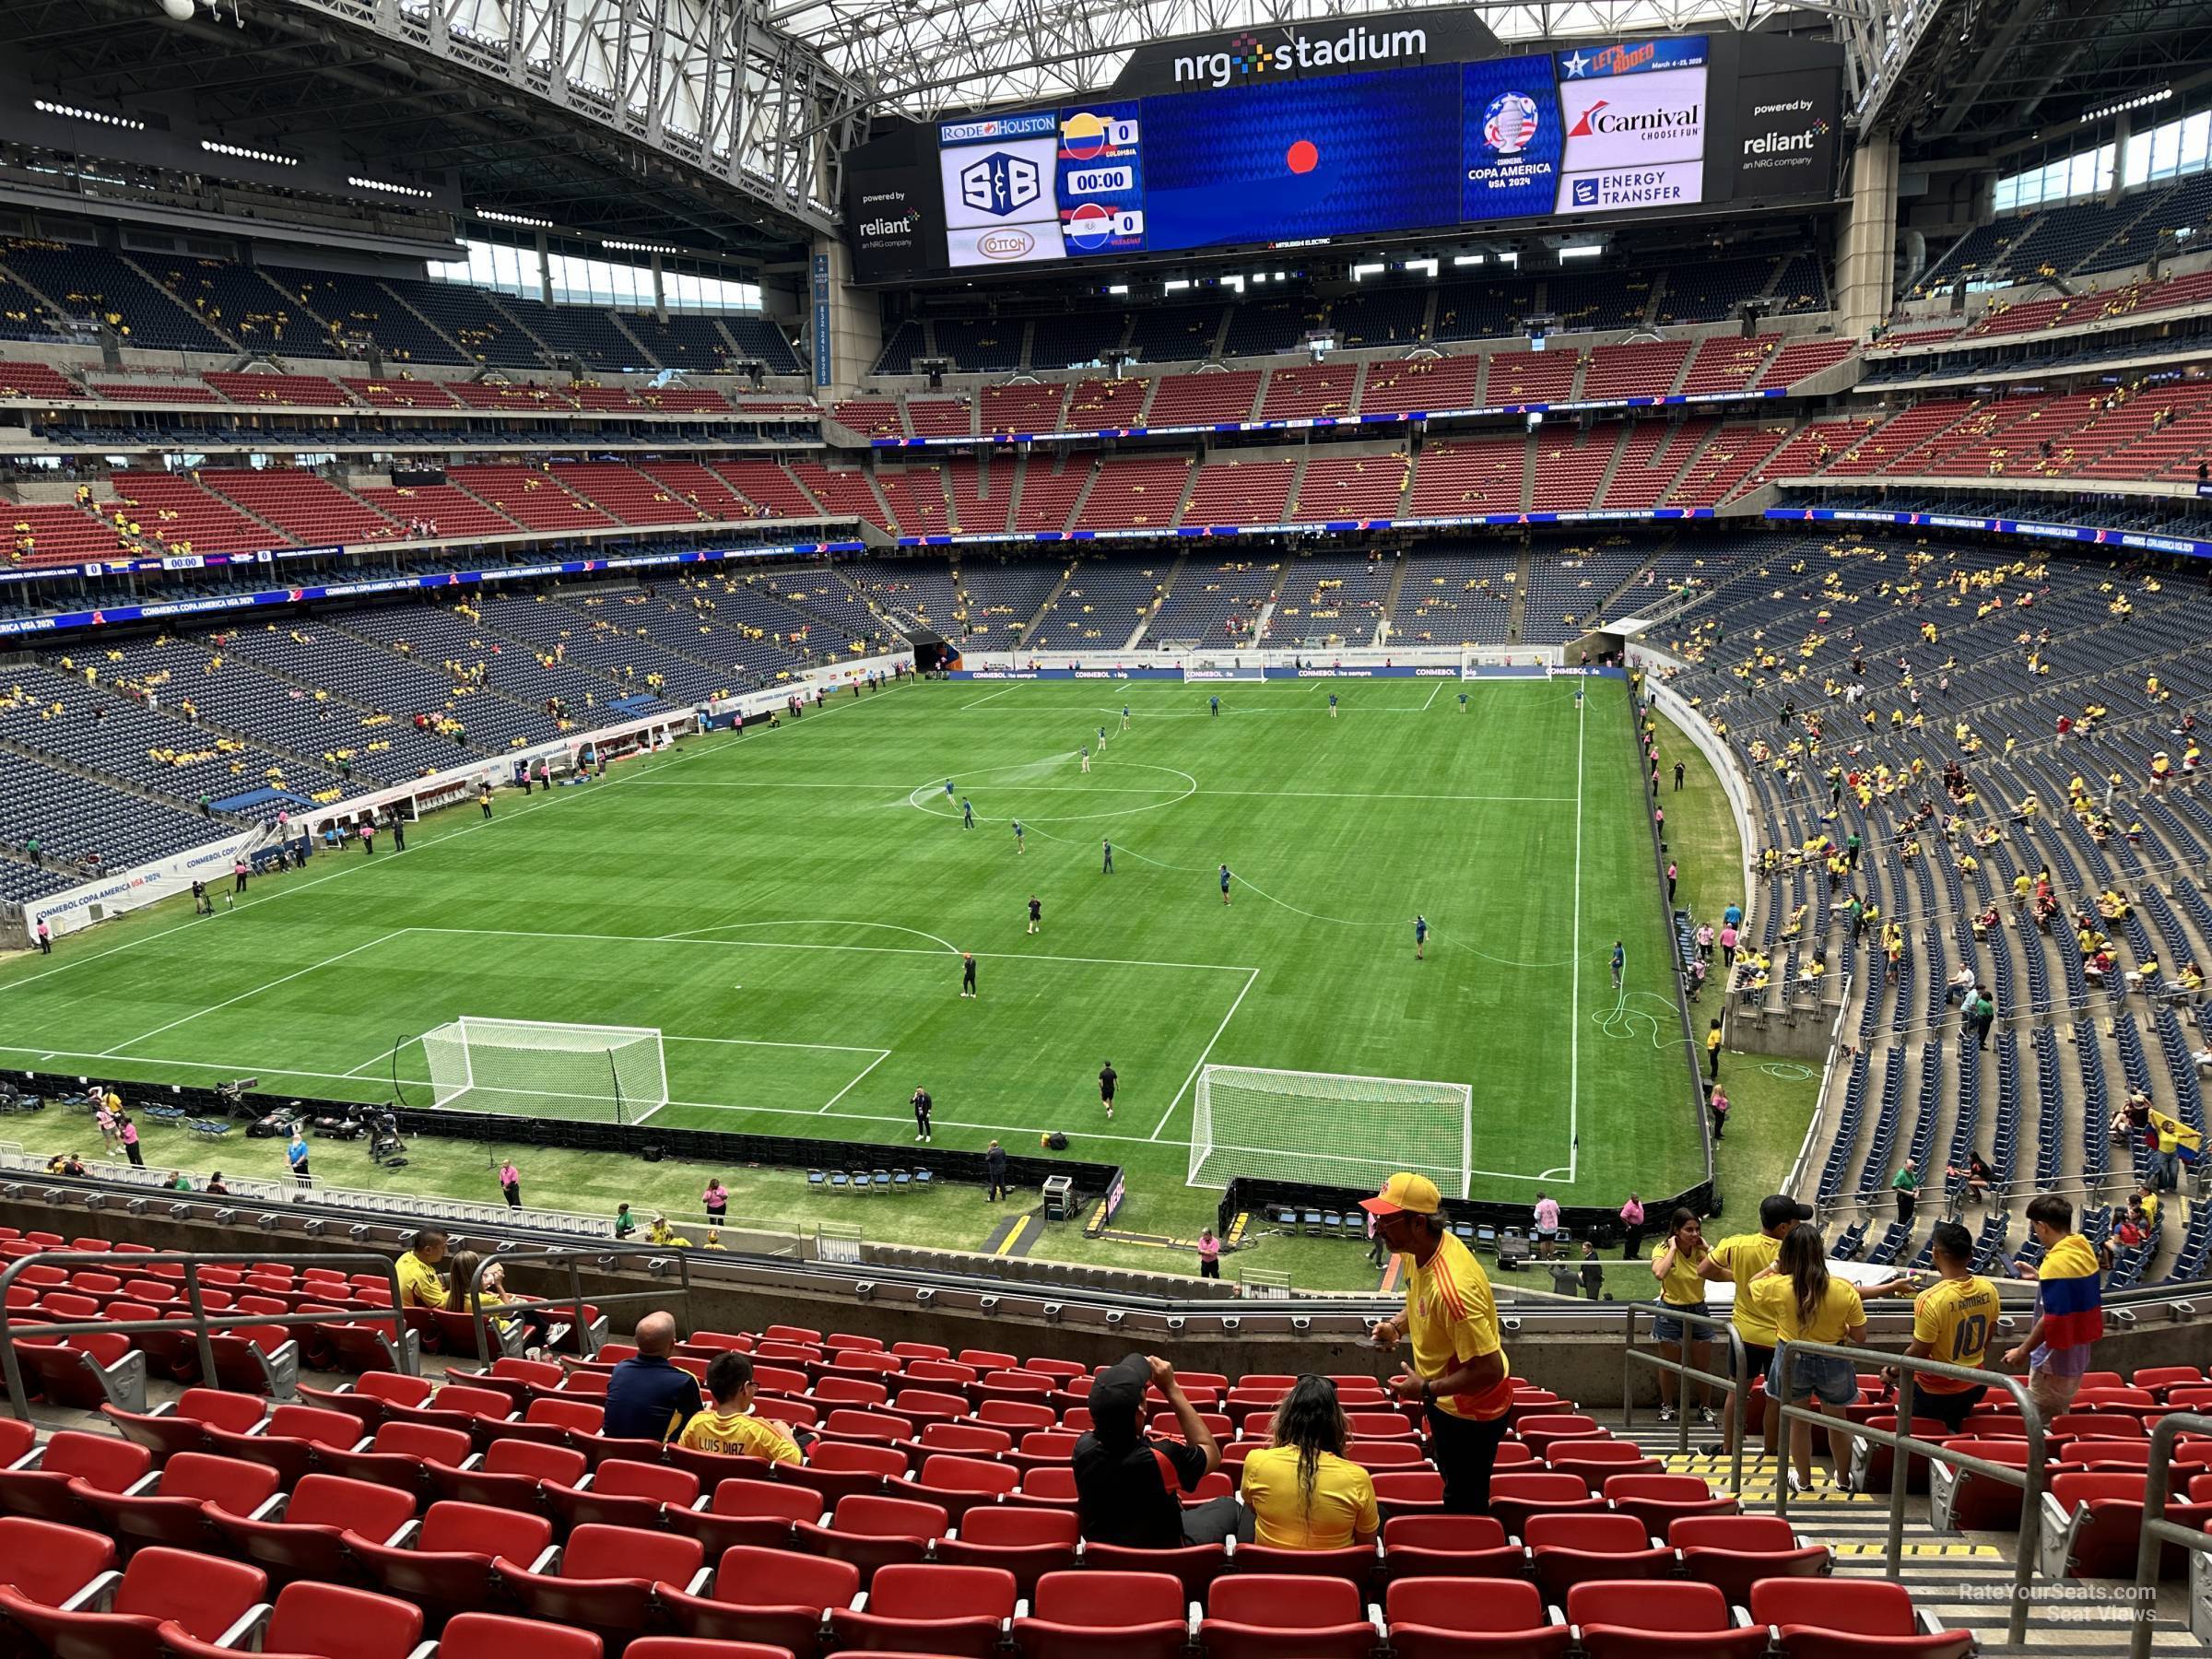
pixel 1458 1370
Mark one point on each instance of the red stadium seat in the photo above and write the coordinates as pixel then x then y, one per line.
pixel 310 1619
pixel 1960 1500
pixel 1027 1542
pixel 622 1493
pixel 306 1539
pixel 2093 1526
pixel 714 1467
pixel 873 1532
pixel 511 1474
pixel 1596 1460
pixel 1850 1619
pixel 17 1438
pixel 48 1563
pixel 1539 1433
pixel 1436 1619
pixel 495 1636
pixel 1643 1619
pixel 445 1564
pixel 2159 1379
pixel 965 1437
pixel 604 1581
pixel 931 1608
pixel 400 1454
pixel 1197 1566
pixel 289 1441
pixel 1733 1552
pixel 200 1595
pixel 1097 1615
pixel 1448 1547
pixel 686 1647
pixel 1659 1500
pixel 1873 1468
pixel 180 1425
pixel 759 1513
pixel 173 1507
pixel 1401 1492
pixel 1265 1615
pixel 1566 1550
pixel 84 1371
pixel 1515 1496
pixel 43 1486
pixel 770 1595
pixel 959 1484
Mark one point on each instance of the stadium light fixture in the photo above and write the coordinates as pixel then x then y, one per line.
pixel 385 185
pixel 631 247
pixel 497 217
pixel 2142 100
pixel 1585 251
pixel 1467 259
pixel 71 112
pixel 1428 268
pixel 1117 287
pixel 1175 285
pixel 247 153
pixel 1360 273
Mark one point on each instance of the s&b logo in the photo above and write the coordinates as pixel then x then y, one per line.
pixel 999 183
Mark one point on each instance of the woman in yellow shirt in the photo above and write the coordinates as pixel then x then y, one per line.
pixel 1675 1264
pixel 1303 1491
pixel 1806 1304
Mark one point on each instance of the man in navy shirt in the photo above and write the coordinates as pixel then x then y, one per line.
pixel 648 1398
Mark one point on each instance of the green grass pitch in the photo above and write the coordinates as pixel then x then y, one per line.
pixel 788 908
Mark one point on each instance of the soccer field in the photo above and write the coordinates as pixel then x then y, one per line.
pixel 789 909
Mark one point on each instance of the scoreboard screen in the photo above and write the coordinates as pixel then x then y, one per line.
pixel 1621 127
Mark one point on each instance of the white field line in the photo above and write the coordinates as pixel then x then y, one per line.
pixel 286 978
pixel 1432 691
pixel 1268 795
pixel 1574 933
pixel 1250 979
pixel 979 701
pixel 881 1056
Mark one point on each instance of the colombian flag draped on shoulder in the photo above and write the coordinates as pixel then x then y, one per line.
pixel 2190 1142
pixel 2073 1295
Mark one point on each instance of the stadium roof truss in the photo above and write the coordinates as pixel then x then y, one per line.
pixel 924 56
pixel 706 81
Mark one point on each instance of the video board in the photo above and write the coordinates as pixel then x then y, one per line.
pixel 1627 127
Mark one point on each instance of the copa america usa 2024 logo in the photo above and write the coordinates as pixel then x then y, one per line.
pixel 1510 125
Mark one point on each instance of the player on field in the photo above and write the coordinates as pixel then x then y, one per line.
pixel 1463 703
pixel 967 974
pixel 949 789
pixel 1216 701
pixel 1124 717
pixel 967 813
pixel 1108 1077
pixel 1101 740
pixel 1017 847
pixel 1087 757
pixel 1225 884
pixel 1421 937
pixel 484 795
pixel 922 1104
pixel 1331 705
pixel 1036 911
pixel 1107 847
pixel 1621 963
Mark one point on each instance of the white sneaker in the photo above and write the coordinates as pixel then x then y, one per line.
pixel 1705 1416
pixel 1667 1413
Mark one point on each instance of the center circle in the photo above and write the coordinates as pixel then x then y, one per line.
pixel 932 799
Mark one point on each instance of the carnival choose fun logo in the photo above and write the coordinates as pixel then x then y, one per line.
pixel 1248 55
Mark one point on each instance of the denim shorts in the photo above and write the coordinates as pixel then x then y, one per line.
pixel 1671 1330
pixel 1834 1379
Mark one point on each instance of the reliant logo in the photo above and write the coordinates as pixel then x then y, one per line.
pixel 1248 54
pixel 889 227
pixel 1597 123
pixel 1783 144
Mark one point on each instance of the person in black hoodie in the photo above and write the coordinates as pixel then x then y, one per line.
pixel 1128 1485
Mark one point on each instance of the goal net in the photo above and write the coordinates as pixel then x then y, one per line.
pixel 1331 1127
pixel 540 1068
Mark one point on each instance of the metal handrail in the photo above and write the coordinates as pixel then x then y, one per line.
pixel 1735 1384
pixel 1903 1448
pixel 2158 1531
pixel 202 1323
pixel 576 1301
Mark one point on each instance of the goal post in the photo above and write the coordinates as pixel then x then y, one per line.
pixel 546 1069
pixel 1334 1127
